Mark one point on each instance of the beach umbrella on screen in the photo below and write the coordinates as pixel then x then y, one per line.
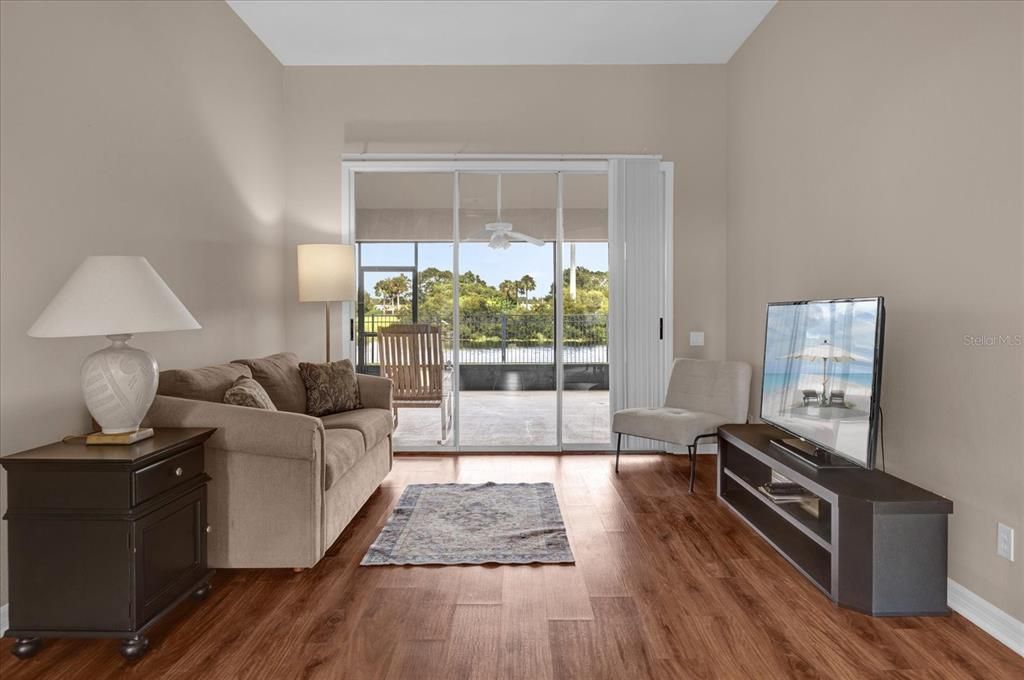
pixel 826 352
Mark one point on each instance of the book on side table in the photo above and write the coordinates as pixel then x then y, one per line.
pixel 120 439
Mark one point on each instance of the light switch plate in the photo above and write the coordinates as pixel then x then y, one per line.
pixel 1004 541
pixel 696 338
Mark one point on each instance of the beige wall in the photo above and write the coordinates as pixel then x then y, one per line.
pixel 134 128
pixel 875 149
pixel 676 111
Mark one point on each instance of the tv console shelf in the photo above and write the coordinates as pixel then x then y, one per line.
pixel 870 541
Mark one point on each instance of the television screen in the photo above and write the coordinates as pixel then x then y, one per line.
pixel 822 369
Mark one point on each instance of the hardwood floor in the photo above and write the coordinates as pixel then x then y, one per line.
pixel 665 585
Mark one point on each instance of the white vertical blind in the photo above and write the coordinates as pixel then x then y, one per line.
pixel 638 272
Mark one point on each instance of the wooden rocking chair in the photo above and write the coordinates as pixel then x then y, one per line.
pixel 413 357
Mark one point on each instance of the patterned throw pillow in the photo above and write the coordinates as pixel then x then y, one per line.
pixel 247 392
pixel 330 388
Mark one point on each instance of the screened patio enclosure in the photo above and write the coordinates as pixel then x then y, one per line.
pixel 524 317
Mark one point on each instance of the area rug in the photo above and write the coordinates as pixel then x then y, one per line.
pixel 473 524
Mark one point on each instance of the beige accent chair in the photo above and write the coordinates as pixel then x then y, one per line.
pixel 702 395
pixel 284 485
pixel 412 356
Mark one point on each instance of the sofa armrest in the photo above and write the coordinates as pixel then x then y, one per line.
pixel 239 428
pixel 375 392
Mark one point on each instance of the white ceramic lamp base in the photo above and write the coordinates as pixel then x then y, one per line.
pixel 119 384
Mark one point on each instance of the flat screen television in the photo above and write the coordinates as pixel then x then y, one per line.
pixel 822 373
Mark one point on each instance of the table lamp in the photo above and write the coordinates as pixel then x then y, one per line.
pixel 116 296
pixel 327 273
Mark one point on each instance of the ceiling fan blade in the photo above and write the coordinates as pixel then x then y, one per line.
pixel 520 236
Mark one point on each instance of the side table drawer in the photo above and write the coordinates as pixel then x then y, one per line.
pixel 159 477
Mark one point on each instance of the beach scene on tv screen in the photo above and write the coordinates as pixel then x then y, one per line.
pixel 819 362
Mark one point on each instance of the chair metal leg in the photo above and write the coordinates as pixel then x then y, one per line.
pixel 692 449
pixel 618 449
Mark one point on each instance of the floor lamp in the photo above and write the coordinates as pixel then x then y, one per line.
pixel 327 273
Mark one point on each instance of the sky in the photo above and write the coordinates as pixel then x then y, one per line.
pixel 493 266
pixel 850 326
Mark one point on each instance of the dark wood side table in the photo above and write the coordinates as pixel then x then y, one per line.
pixel 105 540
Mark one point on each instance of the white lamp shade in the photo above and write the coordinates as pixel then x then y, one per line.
pixel 112 295
pixel 327 272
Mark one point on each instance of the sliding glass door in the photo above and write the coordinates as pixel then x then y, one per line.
pixel 585 289
pixel 406 264
pixel 505 269
pixel 507 306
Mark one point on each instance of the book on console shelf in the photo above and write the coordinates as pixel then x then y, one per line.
pixel 785 493
pixel 781 490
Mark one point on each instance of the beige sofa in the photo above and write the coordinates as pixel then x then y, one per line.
pixel 284 484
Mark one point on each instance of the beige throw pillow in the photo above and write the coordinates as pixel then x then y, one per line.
pixel 248 392
pixel 330 388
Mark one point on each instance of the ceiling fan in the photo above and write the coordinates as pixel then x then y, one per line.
pixel 500 234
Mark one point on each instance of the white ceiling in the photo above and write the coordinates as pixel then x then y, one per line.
pixel 498 32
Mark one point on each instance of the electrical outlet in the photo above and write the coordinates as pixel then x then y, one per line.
pixel 1004 541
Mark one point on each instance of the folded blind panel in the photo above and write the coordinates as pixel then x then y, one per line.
pixel 417 206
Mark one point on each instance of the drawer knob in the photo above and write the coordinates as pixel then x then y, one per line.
pixel 178 472
pixel 209 529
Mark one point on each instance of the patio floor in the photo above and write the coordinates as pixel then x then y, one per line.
pixel 506 418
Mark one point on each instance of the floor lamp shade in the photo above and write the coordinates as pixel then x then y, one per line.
pixel 115 296
pixel 327 273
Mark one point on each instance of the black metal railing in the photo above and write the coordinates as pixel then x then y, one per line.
pixel 500 338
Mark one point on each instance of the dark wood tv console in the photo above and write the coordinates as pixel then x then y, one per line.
pixel 870 541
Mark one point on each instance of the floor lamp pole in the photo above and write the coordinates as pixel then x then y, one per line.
pixel 327 323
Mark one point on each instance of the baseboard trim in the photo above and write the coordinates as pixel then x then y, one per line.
pixel 5 622
pixel 986 616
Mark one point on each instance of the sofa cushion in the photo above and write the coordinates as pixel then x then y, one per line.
pixel 279 376
pixel 342 449
pixel 205 384
pixel 249 393
pixel 373 423
pixel 330 388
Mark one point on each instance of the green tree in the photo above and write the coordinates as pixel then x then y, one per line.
pixel 435 295
pixel 527 285
pixel 432 278
pixel 510 290
pixel 586 279
pixel 394 291
pixel 470 279
pixel 482 304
